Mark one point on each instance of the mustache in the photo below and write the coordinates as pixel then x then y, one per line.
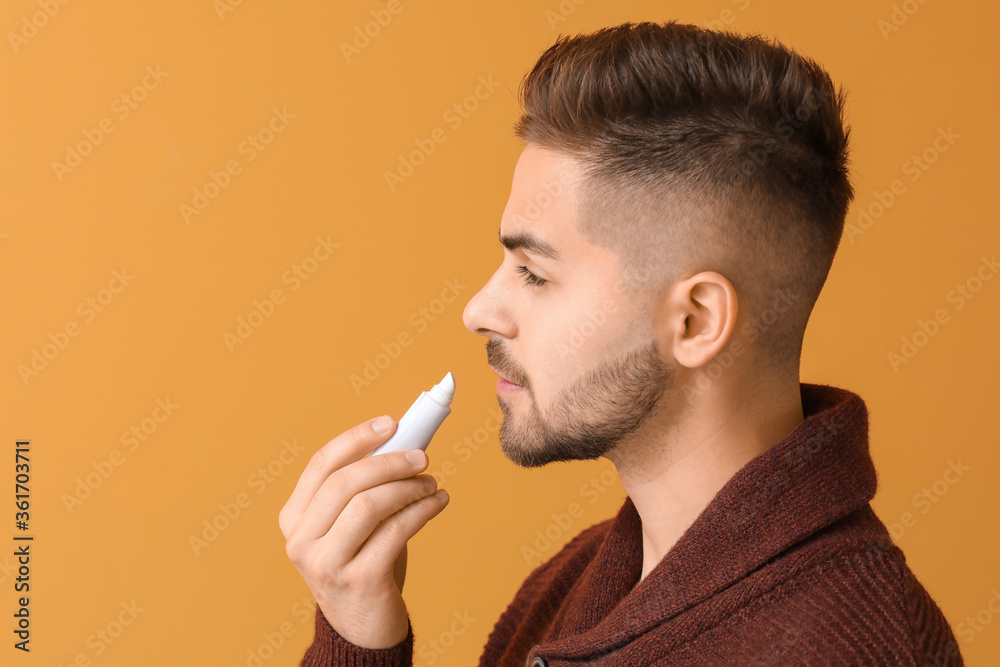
pixel 498 358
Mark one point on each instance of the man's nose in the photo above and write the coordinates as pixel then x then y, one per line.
pixel 472 315
pixel 484 314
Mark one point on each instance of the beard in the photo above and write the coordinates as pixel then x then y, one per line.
pixel 588 418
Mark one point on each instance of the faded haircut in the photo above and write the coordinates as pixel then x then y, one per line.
pixel 701 150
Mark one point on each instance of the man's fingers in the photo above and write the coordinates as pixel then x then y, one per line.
pixel 368 509
pixel 342 450
pixel 390 538
pixel 342 488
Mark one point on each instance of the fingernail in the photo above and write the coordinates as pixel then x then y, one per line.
pixel 441 494
pixel 382 424
pixel 415 456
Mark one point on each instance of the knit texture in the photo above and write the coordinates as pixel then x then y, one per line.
pixel 787 565
pixel 329 648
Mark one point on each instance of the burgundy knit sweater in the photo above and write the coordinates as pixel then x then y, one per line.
pixel 787 565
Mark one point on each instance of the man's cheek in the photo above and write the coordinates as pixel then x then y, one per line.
pixel 598 328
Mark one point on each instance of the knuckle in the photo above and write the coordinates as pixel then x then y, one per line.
pixel 417 489
pixel 390 464
pixel 394 526
pixel 293 551
pixel 364 504
pixel 285 518
pixel 339 479
pixel 319 459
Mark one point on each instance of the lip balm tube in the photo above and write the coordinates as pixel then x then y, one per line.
pixel 416 428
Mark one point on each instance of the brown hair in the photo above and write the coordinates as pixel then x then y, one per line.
pixel 701 150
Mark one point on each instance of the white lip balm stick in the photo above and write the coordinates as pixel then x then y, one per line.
pixel 416 428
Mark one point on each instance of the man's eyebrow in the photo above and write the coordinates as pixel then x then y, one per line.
pixel 530 242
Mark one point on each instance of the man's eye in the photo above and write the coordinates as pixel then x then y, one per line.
pixel 530 277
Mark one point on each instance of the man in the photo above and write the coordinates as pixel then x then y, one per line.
pixel 672 220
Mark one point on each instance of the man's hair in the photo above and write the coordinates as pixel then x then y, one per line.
pixel 702 150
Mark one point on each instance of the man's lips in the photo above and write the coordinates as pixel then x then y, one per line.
pixel 503 378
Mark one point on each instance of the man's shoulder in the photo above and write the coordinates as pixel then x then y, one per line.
pixel 849 589
pixel 856 553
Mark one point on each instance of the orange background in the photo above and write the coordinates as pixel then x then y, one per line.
pixel 63 234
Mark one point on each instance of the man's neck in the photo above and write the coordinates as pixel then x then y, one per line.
pixel 671 471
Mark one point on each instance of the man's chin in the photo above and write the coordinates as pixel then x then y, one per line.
pixel 522 457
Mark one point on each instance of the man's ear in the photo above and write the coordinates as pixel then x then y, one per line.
pixel 696 317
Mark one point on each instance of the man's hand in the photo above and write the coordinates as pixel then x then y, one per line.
pixel 346 525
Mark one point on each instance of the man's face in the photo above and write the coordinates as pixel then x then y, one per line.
pixel 584 357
